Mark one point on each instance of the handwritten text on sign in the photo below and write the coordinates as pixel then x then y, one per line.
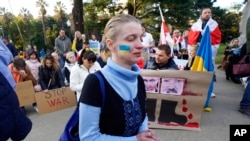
pixel 55 100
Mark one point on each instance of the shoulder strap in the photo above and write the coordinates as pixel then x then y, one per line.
pixel 99 76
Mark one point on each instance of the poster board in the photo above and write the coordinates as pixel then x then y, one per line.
pixel 94 46
pixel 25 93
pixel 54 100
pixel 178 111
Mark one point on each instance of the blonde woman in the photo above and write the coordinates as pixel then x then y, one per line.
pixel 234 43
pixel 77 42
pixel 123 116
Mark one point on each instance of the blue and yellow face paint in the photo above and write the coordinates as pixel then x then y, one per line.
pixel 124 49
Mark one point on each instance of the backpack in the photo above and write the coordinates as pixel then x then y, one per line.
pixel 71 130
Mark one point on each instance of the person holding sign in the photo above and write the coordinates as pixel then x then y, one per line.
pixel 123 115
pixel 94 44
pixel 14 124
pixel 50 76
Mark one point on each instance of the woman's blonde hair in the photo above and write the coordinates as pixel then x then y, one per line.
pixel 78 32
pixel 232 41
pixel 113 26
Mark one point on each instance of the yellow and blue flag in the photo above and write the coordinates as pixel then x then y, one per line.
pixel 203 60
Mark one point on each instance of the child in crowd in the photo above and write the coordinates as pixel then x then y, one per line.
pixel 33 63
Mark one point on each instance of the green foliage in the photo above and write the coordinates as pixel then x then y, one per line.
pixel 177 13
pixel 220 54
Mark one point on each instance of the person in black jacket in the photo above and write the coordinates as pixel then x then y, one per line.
pixel 163 60
pixel 50 76
pixel 14 123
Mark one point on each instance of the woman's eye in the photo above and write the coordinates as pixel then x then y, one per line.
pixel 130 39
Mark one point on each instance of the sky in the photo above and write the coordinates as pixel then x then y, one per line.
pixel 14 6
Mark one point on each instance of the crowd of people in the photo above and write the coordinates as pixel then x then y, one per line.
pixel 125 49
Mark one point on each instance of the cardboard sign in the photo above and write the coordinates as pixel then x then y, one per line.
pixel 25 93
pixel 54 100
pixel 182 111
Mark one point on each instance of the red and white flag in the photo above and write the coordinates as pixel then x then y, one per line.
pixel 165 36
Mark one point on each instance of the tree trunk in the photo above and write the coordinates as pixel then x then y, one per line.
pixel 77 12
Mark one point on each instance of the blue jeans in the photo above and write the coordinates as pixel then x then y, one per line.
pixel 62 60
pixel 246 96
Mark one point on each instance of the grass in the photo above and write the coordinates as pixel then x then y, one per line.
pixel 220 53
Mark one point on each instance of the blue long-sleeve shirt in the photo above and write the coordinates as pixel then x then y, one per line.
pixel 91 117
pixel 5 59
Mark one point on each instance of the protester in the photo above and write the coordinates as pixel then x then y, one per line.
pixel 94 44
pixel 192 54
pixel 178 43
pixel 56 58
pixel 77 42
pixel 69 64
pixel 232 45
pixel 10 46
pixel 14 124
pixel 86 64
pixel 233 58
pixel 245 102
pixel 162 60
pixel 42 53
pixel 104 54
pixel 33 63
pixel 147 42
pixel 50 76
pixel 123 116
pixel 20 71
pixel 62 46
pixel 197 30
pixel 27 51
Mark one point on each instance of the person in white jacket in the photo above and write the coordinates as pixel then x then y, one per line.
pixel 86 64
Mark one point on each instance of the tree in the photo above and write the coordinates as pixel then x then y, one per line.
pixel 60 13
pixel 42 4
pixel 7 19
pixel 77 13
pixel 26 19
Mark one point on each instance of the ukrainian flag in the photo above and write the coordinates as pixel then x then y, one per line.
pixel 203 60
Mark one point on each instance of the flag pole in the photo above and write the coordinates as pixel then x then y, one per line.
pixel 161 13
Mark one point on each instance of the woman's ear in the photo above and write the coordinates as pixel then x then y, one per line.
pixel 110 45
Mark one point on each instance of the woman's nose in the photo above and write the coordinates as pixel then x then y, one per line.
pixel 139 44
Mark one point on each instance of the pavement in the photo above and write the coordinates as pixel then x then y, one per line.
pixel 214 125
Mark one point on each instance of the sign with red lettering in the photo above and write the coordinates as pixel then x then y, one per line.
pixel 54 100
pixel 25 93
